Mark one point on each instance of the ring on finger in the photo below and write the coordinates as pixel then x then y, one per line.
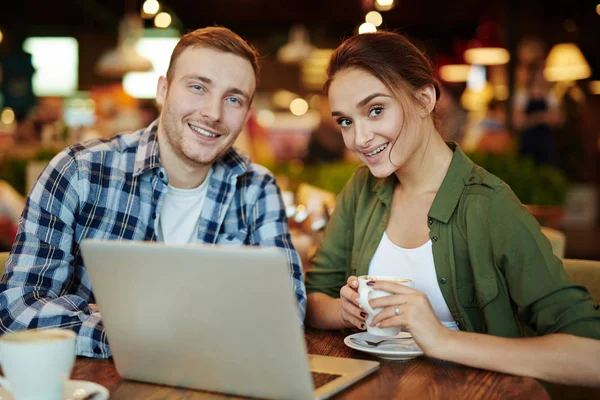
pixel 397 310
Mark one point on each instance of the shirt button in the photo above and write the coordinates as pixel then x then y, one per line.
pixel 443 281
pixel 471 179
pixel 434 238
pixel 161 174
pixel 430 221
pixel 97 350
pixel 153 215
pixel 596 306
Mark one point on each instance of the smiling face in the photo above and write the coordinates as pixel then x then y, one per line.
pixel 205 105
pixel 380 130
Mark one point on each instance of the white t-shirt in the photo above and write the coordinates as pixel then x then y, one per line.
pixel 180 212
pixel 416 264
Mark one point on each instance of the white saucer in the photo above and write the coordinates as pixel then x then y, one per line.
pixel 406 350
pixel 73 390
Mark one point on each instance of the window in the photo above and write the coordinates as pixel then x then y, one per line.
pixel 56 62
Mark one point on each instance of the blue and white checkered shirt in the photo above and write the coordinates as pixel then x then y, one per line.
pixel 113 189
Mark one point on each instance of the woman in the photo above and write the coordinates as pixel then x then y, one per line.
pixel 421 209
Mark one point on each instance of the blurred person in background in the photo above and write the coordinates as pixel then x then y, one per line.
pixel 177 181
pixel 16 75
pixel 536 113
pixel 326 145
pixel 451 115
pixel 494 136
pixel 420 209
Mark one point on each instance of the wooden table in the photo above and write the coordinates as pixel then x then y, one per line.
pixel 420 378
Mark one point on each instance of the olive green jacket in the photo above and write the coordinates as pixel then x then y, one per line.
pixel 495 267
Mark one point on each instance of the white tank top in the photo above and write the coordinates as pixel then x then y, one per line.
pixel 416 264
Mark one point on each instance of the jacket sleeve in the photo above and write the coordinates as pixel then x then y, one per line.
pixel 36 290
pixel 545 298
pixel 332 262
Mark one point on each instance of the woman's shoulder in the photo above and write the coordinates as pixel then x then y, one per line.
pixel 486 189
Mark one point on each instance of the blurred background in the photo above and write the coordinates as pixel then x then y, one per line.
pixel 521 92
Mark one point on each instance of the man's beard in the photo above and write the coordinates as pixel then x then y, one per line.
pixel 174 133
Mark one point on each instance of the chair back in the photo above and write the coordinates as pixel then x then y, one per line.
pixel 557 239
pixel 3 260
pixel 585 273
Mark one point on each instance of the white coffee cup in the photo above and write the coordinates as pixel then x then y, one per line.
pixel 37 363
pixel 367 293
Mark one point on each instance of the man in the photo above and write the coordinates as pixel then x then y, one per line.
pixel 177 181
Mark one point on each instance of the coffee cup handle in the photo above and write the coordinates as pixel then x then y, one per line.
pixel 364 297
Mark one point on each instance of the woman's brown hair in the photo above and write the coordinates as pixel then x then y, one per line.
pixel 389 56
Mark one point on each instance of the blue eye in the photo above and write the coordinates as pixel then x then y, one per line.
pixel 197 87
pixel 234 101
pixel 375 111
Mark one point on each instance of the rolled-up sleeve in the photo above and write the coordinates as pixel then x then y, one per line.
pixel 544 296
pixel 331 265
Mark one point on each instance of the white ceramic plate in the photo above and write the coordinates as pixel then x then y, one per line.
pixel 73 390
pixel 406 350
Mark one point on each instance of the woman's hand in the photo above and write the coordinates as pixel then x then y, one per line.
pixel 415 314
pixel 351 314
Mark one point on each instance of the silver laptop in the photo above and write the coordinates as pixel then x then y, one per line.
pixel 220 319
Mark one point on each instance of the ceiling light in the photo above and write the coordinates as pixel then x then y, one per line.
pixel 298 47
pixel 313 72
pixel 150 7
pixel 374 17
pixel 162 20
pixel 565 62
pixel 455 72
pixel 487 56
pixel 299 106
pixel 367 27
pixel 265 118
pixel 384 5
pixel 124 58
pixel 8 116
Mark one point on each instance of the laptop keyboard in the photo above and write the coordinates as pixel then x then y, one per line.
pixel 320 378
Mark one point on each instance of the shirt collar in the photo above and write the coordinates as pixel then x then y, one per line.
pixel 147 155
pixel 449 193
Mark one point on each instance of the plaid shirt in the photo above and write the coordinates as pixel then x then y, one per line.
pixel 113 189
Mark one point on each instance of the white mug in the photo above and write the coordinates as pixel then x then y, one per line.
pixel 37 363
pixel 367 293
